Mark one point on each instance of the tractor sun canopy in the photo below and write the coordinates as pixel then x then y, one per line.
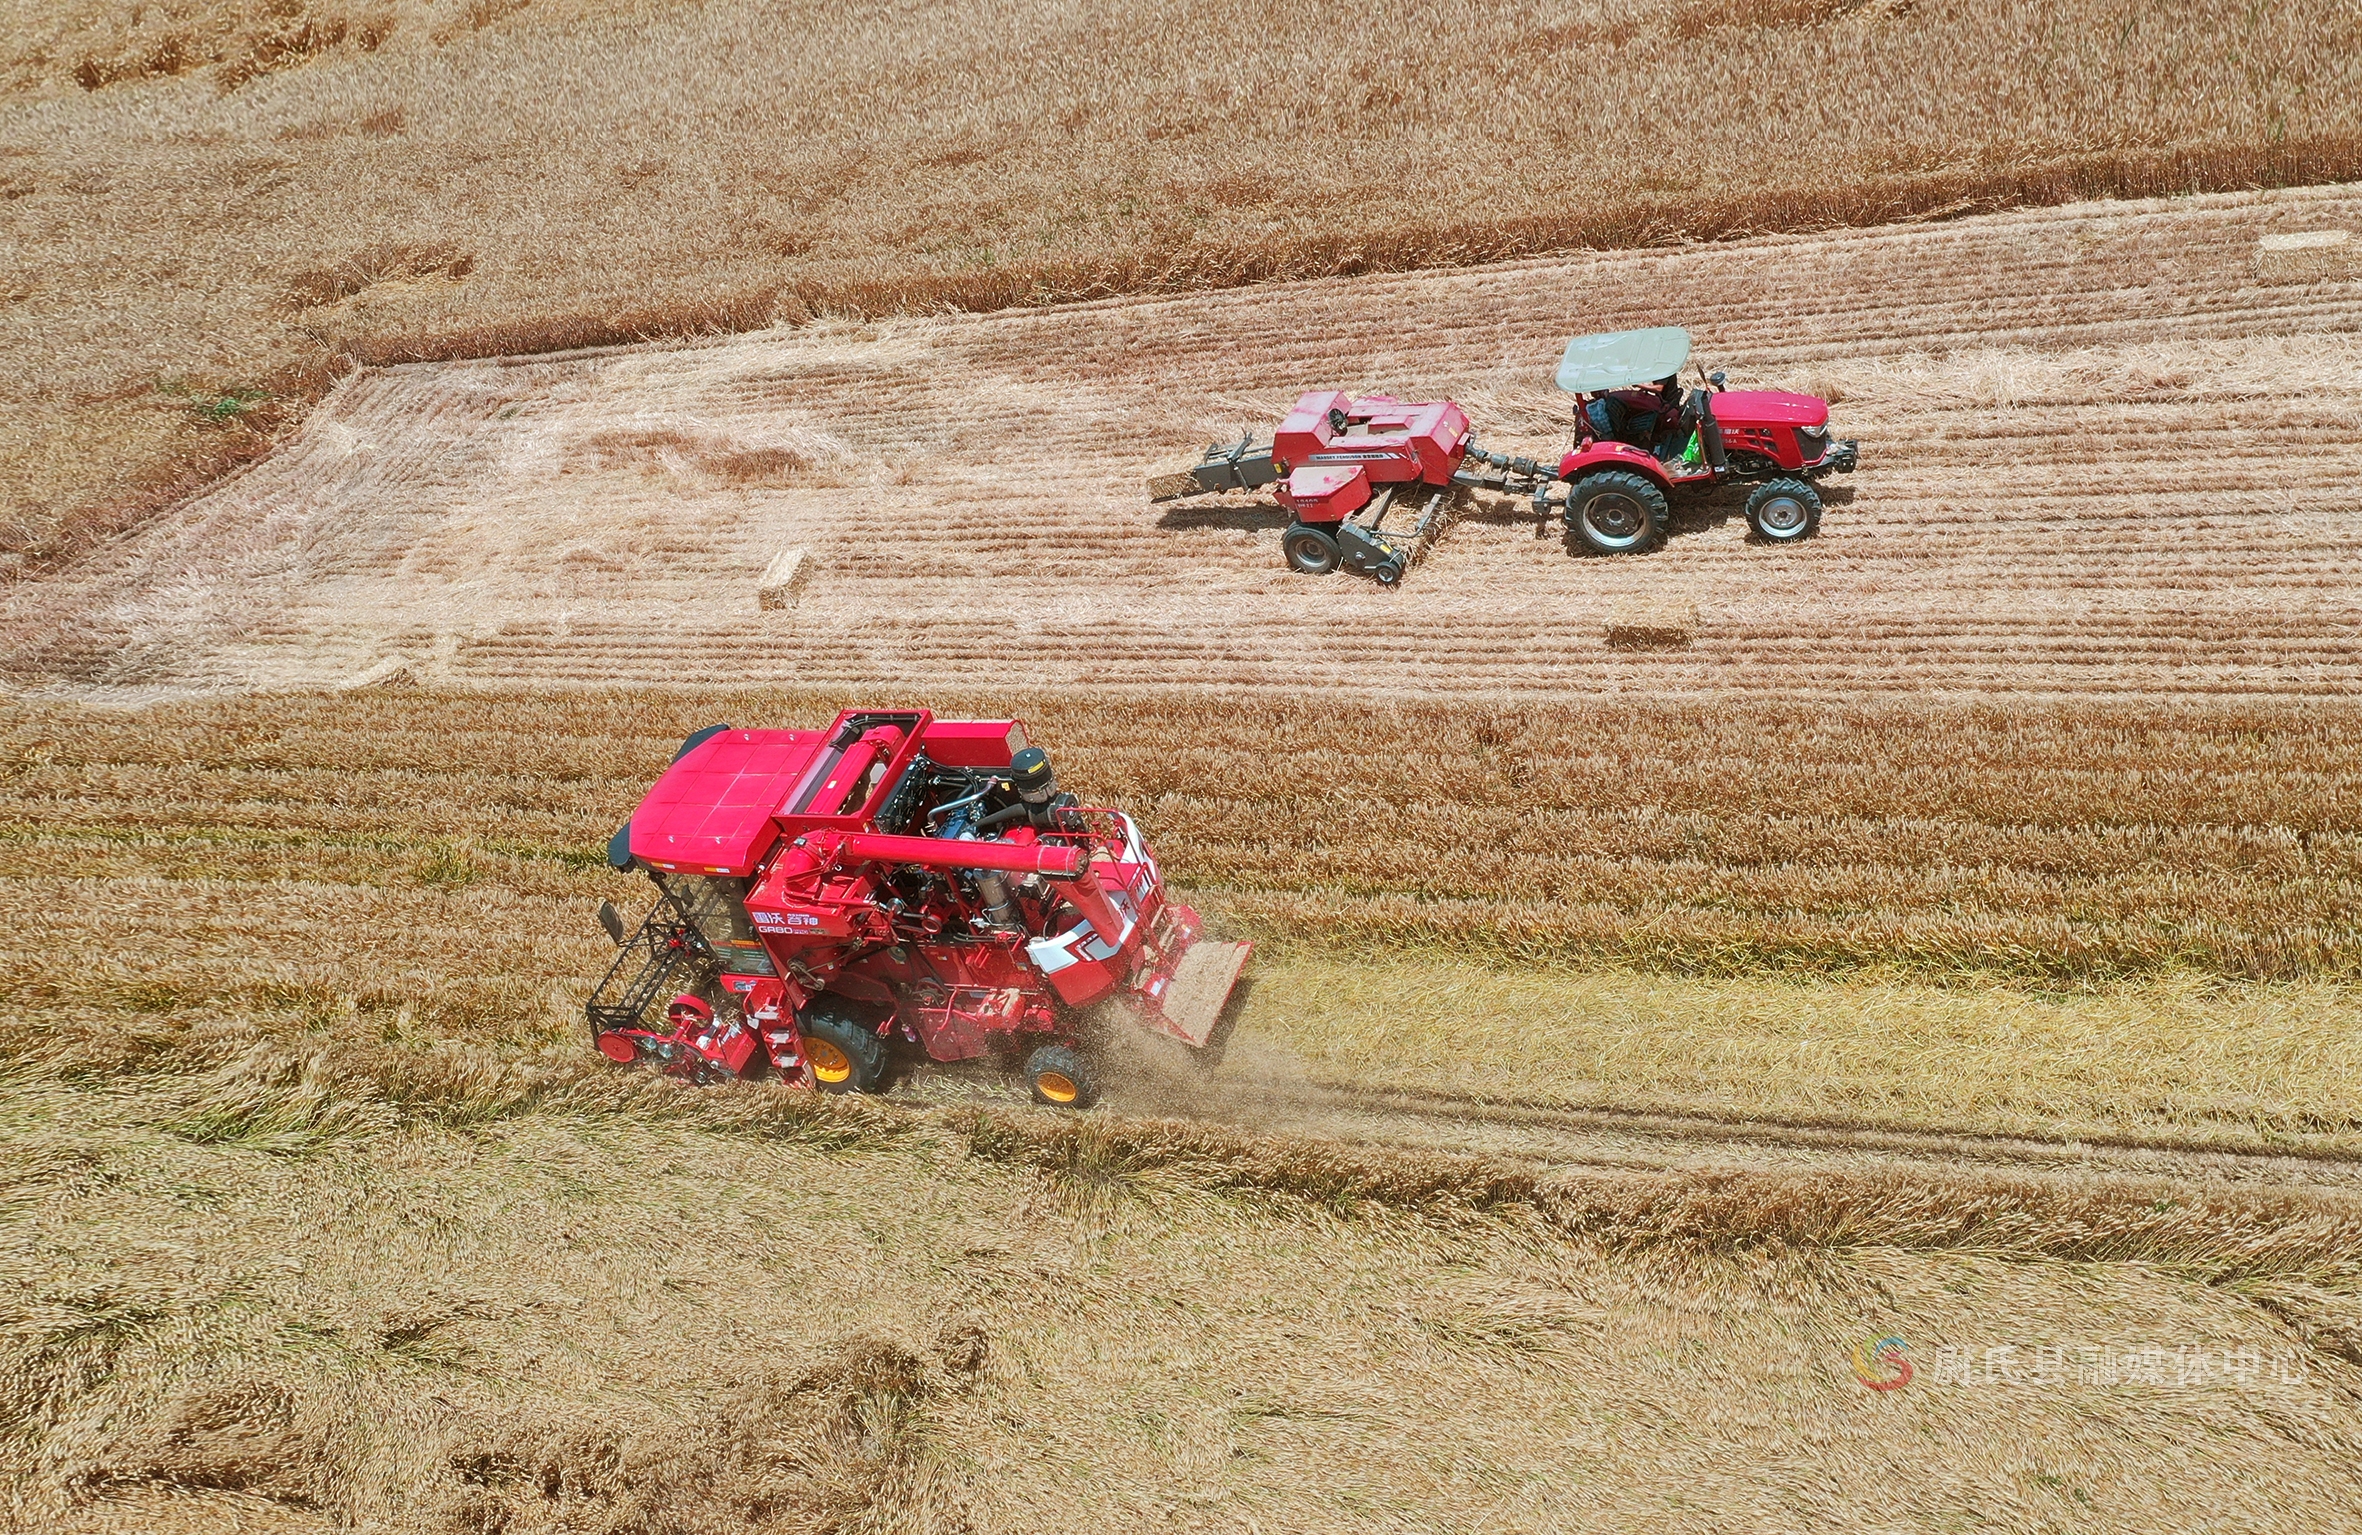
pixel 1621 359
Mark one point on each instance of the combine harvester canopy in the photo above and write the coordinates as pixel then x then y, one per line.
pixel 893 884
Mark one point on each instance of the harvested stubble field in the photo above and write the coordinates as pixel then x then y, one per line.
pixel 1954 942
pixel 2099 458
pixel 206 200
pixel 319 1212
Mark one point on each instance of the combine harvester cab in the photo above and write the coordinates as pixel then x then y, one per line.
pixel 1341 464
pixel 894 884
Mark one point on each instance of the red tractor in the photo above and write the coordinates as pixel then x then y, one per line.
pixel 1639 438
pixel 894 887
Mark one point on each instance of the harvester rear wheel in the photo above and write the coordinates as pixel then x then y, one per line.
pixel 1616 513
pixel 1061 1078
pixel 846 1055
pixel 1309 549
pixel 1784 511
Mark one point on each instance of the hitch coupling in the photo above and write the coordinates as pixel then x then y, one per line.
pixel 1510 476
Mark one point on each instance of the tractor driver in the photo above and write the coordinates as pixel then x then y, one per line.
pixel 1640 417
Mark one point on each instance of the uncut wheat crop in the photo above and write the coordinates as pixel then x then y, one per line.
pixel 2065 843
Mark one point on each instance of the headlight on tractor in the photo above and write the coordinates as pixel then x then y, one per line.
pixel 1812 442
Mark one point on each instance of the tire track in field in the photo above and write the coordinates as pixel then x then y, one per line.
pixel 1551 1132
pixel 1557 1134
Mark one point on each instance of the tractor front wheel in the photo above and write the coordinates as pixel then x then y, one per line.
pixel 1784 511
pixel 1616 513
pixel 1061 1078
pixel 1309 549
pixel 846 1054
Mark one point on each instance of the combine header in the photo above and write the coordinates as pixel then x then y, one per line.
pixel 896 885
pixel 1342 464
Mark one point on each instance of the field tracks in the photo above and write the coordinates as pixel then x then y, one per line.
pixel 1556 1132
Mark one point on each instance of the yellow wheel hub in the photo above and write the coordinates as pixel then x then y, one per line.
pixel 1057 1086
pixel 829 1064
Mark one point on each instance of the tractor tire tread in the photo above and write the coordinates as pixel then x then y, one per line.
pixel 1799 490
pixel 1643 490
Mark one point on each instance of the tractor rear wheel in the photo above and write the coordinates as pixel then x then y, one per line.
pixel 1061 1078
pixel 846 1054
pixel 1784 511
pixel 1309 549
pixel 1616 513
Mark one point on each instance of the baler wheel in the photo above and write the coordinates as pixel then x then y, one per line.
pixel 1784 511
pixel 1616 513
pixel 1060 1078
pixel 1309 549
pixel 846 1056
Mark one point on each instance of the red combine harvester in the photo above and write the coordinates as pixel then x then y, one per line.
pixel 893 885
pixel 1341 464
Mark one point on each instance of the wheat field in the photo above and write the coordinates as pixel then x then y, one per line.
pixel 211 206
pixel 1944 949
pixel 2116 466
pixel 254 1295
pixel 2164 901
pixel 318 1213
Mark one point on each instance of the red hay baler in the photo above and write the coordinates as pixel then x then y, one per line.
pixel 894 886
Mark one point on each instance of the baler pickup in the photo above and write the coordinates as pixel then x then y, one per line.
pixel 1243 465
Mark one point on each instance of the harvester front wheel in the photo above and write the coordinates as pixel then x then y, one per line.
pixel 1616 513
pixel 1061 1078
pixel 1309 549
pixel 846 1054
pixel 1784 511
